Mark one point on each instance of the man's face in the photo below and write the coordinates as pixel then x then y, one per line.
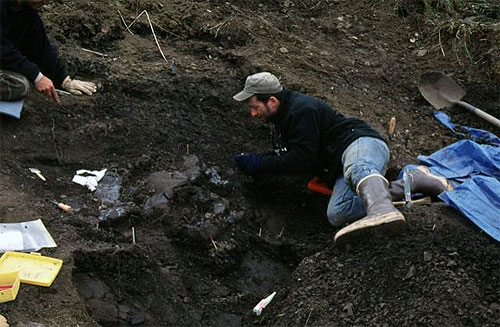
pixel 261 110
pixel 35 4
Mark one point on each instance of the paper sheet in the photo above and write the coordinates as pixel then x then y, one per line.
pixel 26 236
pixel 89 178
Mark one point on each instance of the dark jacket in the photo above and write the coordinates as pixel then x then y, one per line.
pixel 24 47
pixel 314 136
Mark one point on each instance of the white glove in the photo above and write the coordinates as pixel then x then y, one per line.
pixel 77 87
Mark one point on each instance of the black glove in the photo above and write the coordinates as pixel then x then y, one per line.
pixel 248 163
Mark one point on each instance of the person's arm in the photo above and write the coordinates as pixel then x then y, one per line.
pixel 12 59
pixel 47 59
pixel 302 148
pixel 52 66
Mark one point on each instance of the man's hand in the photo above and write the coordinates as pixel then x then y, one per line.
pixel 45 86
pixel 248 163
pixel 77 87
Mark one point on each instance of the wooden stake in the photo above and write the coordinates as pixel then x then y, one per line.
pixel 392 126
pixel 64 207
pixel 426 200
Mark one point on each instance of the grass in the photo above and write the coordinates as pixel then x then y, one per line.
pixel 431 6
pixel 471 28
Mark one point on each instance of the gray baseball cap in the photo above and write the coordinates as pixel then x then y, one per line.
pixel 260 83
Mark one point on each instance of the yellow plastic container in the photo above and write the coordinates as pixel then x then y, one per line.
pixel 33 268
pixel 9 278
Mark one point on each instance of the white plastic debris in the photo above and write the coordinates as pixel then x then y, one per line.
pixel 25 236
pixel 263 303
pixel 38 173
pixel 89 178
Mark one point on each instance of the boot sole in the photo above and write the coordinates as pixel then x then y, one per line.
pixel 444 181
pixel 388 224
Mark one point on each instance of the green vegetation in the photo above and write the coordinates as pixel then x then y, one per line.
pixel 470 28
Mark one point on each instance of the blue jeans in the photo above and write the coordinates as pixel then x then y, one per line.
pixel 365 156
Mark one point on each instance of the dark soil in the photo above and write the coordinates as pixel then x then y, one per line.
pixel 208 250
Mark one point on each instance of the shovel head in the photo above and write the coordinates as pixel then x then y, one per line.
pixel 439 89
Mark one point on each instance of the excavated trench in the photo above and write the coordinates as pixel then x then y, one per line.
pixel 178 237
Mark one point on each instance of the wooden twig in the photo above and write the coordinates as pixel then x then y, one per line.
pixel 167 31
pixel 152 30
pixel 219 26
pixel 316 5
pixel 440 44
pixel 135 19
pixel 213 243
pixel 309 316
pixel 123 21
pixel 95 52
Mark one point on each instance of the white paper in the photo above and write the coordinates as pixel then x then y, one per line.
pixel 11 240
pixel 89 178
pixel 26 236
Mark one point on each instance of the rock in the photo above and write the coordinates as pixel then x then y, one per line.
pixel 219 207
pixel 421 53
pixel 348 307
pixel 427 256
pixel 163 181
pixel 90 288
pixel 410 273
pixel 214 177
pixel 284 50
pixel 192 167
pixel 158 202
pixel 136 320
pixel 103 312
pixel 108 189
pixel 113 213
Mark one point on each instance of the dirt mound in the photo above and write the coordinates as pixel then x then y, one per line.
pixel 187 241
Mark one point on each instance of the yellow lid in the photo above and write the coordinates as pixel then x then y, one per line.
pixel 33 269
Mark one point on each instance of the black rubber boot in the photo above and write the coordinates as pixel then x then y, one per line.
pixel 381 216
pixel 421 181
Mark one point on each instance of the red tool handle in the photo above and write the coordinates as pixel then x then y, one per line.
pixel 6 287
pixel 317 186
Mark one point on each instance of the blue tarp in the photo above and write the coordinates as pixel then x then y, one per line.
pixel 12 108
pixel 474 170
pixel 478 135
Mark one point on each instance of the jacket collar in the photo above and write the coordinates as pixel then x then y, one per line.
pixel 283 106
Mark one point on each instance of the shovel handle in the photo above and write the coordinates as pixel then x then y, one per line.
pixel 489 118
